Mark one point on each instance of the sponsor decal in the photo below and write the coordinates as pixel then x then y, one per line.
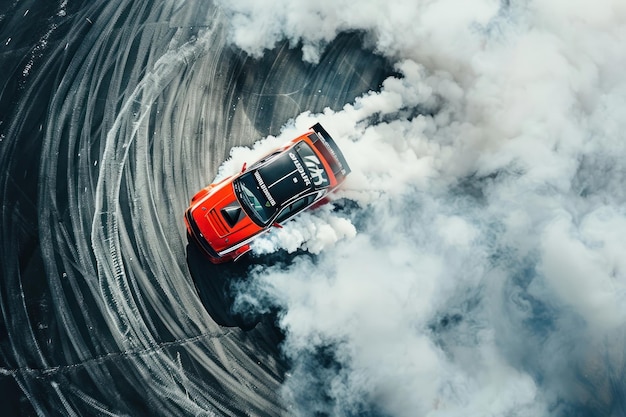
pixel 263 187
pixel 300 168
pixel 316 169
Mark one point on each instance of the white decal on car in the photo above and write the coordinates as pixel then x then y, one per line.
pixel 300 169
pixel 316 169
pixel 264 188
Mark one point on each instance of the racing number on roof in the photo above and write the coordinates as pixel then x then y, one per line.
pixel 316 170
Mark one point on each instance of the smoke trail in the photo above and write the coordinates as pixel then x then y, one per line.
pixel 485 273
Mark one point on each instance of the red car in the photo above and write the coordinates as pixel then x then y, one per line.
pixel 225 217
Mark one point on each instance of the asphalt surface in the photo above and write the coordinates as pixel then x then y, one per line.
pixel 112 114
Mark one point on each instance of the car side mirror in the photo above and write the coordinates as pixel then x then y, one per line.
pixel 245 165
pixel 277 225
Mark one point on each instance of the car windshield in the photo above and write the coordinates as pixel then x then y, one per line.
pixel 255 197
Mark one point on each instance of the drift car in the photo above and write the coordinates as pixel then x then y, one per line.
pixel 226 216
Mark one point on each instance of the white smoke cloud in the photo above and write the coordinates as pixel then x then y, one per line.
pixel 585 265
pixel 313 232
pixel 486 269
pixel 397 26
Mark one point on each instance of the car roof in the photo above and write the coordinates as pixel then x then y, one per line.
pixel 285 176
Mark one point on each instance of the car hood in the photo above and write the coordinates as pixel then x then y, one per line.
pixel 222 221
pixel 230 214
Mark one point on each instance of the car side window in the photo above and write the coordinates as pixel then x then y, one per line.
pixel 294 208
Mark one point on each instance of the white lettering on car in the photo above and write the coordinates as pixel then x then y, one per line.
pixel 300 169
pixel 264 188
pixel 316 169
